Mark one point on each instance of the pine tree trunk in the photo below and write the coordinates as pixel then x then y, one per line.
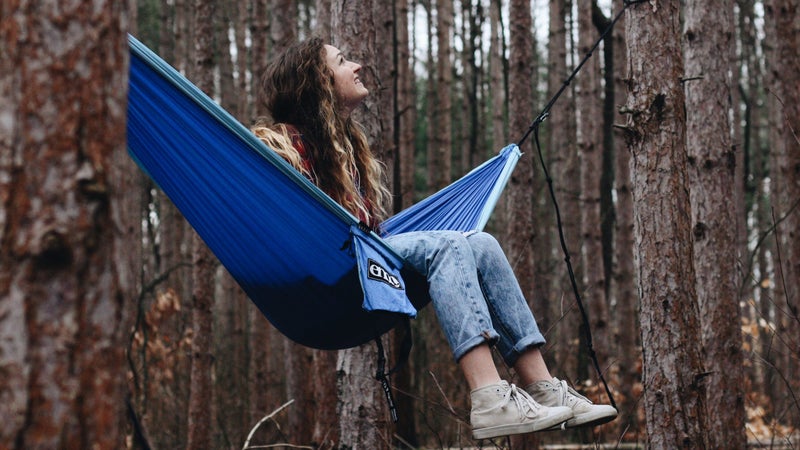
pixel 588 105
pixel 708 37
pixel 785 88
pixel 772 210
pixel 520 195
pixel 565 165
pixel 624 275
pixel 404 178
pixel 755 172
pixel 323 29
pixel 406 111
pixel 363 32
pixel 325 420
pixel 63 77
pixel 201 411
pixel 363 422
pixel 520 192
pixel 673 369
pixel 497 77
pixel 261 48
pixel 283 27
pixel 440 132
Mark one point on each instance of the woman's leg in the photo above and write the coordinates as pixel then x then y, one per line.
pixel 514 321
pixel 510 313
pixel 447 262
pixel 478 367
pixel 530 367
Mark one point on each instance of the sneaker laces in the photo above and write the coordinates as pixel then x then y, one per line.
pixel 570 396
pixel 527 407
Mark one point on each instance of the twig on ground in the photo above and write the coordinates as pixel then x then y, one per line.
pixel 264 419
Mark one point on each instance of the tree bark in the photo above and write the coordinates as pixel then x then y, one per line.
pixel 673 369
pixel 64 275
pixel 589 108
pixel 283 28
pixel 707 38
pixel 772 211
pixel 497 72
pixel 241 19
pixel 406 112
pixel 323 29
pixel 521 231
pixel 785 175
pixel 261 50
pixel 201 411
pixel 561 138
pixel 624 281
pixel 440 132
pixel 363 32
pixel 520 195
pixel 404 177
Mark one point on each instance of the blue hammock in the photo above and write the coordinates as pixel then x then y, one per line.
pixel 318 276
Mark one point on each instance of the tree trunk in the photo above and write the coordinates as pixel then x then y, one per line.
pixel 772 210
pixel 520 189
pixel 673 369
pixel 241 19
pixel 300 387
pixel 324 390
pixel 561 138
pixel 520 192
pixel 785 88
pixel 440 132
pixel 624 275
pixel 261 48
pixel 201 411
pixel 63 277
pixel 707 38
pixel 588 105
pixel 406 111
pixel 404 177
pixel 363 422
pixel 323 29
pixel 497 77
pixel 283 28
pixel 363 32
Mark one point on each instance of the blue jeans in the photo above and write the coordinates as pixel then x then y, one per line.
pixel 473 289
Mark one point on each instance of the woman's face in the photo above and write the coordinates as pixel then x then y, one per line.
pixel 349 89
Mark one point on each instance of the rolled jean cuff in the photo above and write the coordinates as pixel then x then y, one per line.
pixel 532 340
pixel 489 336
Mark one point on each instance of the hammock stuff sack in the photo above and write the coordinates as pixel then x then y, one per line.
pixel 320 278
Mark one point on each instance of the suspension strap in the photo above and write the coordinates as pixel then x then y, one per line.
pixel 546 111
pixel 534 128
pixel 383 376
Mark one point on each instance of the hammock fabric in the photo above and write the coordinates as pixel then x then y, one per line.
pixel 318 276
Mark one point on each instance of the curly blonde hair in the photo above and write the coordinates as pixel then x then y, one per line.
pixel 297 90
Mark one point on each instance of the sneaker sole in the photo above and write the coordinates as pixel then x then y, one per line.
pixel 558 415
pixel 587 420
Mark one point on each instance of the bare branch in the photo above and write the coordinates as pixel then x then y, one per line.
pixel 264 419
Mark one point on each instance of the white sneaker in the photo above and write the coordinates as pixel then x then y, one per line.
pixel 502 409
pixel 557 393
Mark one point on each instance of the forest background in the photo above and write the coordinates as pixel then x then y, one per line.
pixel 675 162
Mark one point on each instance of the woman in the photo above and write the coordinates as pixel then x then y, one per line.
pixel 310 92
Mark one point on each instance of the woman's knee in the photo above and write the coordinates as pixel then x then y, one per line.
pixel 483 241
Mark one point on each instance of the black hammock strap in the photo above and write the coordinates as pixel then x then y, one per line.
pixel 534 128
pixel 383 376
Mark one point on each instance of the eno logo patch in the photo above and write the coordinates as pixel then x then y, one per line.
pixel 378 273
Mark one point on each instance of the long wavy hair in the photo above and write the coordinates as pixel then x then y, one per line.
pixel 297 90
